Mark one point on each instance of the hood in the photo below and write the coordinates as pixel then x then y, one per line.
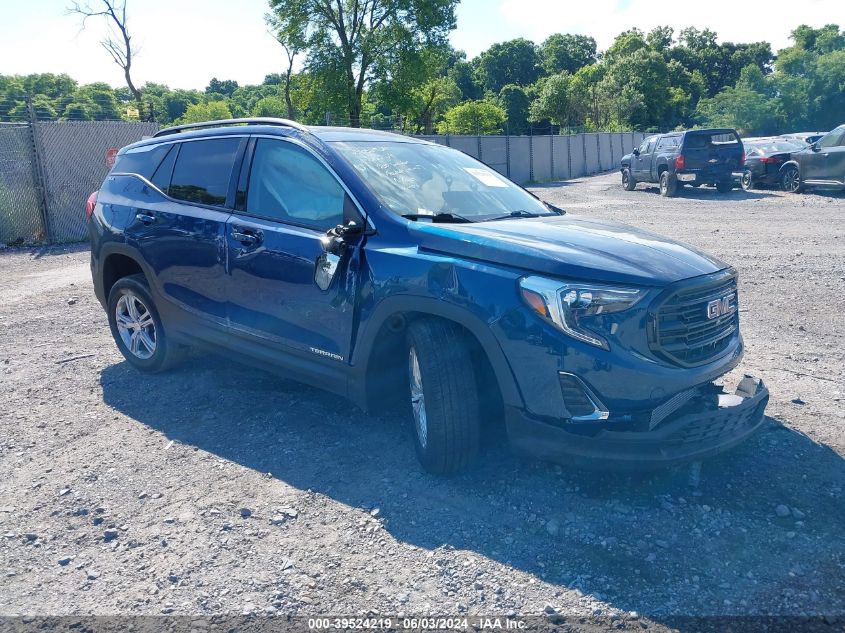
pixel 570 246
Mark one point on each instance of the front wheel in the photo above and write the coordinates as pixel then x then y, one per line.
pixel 443 394
pixel 628 182
pixel 747 182
pixel 724 186
pixel 791 180
pixel 668 185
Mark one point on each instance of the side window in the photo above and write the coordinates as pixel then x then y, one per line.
pixel 141 160
pixel 645 145
pixel 288 184
pixel 203 170
pixel 161 176
pixel 832 139
pixel 668 142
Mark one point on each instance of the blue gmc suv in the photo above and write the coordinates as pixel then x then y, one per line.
pixel 379 267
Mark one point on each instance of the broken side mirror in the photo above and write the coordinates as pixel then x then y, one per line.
pixel 334 245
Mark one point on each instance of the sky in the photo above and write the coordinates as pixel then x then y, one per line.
pixel 184 43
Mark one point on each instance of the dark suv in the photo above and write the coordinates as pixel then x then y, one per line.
pixel 821 164
pixel 375 265
pixel 694 157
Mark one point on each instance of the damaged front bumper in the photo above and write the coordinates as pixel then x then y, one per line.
pixel 708 423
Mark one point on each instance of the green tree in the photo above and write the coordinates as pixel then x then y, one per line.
pixel 217 88
pixel 660 38
pixel 273 106
pixel 512 62
pixel 750 112
pixel 624 45
pixel 211 111
pixel 473 117
pixel 516 103
pixel 463 73
pixel 350 37
pixel 553 101
pixel 565 51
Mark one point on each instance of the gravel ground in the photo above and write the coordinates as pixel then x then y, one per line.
pixel 218 489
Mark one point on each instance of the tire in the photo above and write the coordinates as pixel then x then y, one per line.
pixel 790 180
pixel 668 185
pixel 628 182
pixel 747 182
pixel 139 333
pixel 444 395
pixel 724 186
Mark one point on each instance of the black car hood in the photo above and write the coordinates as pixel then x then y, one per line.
pixel 570 246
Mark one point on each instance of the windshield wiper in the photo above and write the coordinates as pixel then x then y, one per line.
pixel 438 217
pixel 521 213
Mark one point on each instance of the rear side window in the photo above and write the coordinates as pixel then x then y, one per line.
pixel 668 143
pixel 161 176
pixel 141 160
pixel 202 171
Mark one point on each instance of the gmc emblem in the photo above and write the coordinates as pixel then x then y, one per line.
pixel 721 307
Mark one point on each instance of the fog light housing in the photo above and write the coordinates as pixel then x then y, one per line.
pixel 582 405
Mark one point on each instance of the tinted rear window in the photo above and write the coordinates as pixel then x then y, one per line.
pixel 704 140
pixel 202 171
pixel 141 160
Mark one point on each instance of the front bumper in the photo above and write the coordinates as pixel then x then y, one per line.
pixel 708 424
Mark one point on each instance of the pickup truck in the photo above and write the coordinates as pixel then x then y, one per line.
pixel 694 157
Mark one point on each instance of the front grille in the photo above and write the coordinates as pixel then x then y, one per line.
pixel 684 333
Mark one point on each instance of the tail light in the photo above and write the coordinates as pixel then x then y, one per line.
pixel 89 206
pixel 771 160
pixel 679 162
pixel 742 158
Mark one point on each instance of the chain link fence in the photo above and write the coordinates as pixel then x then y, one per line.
pixel 74 165
pixel 49 168
pixel 47 171
pixel 21 218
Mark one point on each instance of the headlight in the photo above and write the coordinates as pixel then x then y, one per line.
pixel 565 304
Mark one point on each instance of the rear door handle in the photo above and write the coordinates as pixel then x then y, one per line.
pixel 246 237
pixel 145 217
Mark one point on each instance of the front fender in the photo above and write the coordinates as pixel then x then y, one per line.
pixel 406 303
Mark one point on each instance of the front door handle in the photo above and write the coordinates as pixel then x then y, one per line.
pixel 145 217
pixel 246 238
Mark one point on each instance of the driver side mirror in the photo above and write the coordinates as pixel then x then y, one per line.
pixel 636 151
pixel 334 245
pixel 815 146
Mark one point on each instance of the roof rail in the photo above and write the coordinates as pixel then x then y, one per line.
pixel 222 122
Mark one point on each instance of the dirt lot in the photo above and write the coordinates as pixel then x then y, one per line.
pixel 220 489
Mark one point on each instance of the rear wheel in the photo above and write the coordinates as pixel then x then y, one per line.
pixel 747 182
pixel 137 328
pixel 628 182
pixel 668 185
pixel 791 180
pixel 444 395
pixel 724 186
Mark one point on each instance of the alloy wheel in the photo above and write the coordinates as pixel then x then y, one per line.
pixel 136 326
pixel 791 180
pixel 417 397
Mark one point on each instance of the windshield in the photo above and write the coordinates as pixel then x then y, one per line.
pixel 416 179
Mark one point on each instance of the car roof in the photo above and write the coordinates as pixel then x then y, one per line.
pixel 331 134
pixel 326 134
